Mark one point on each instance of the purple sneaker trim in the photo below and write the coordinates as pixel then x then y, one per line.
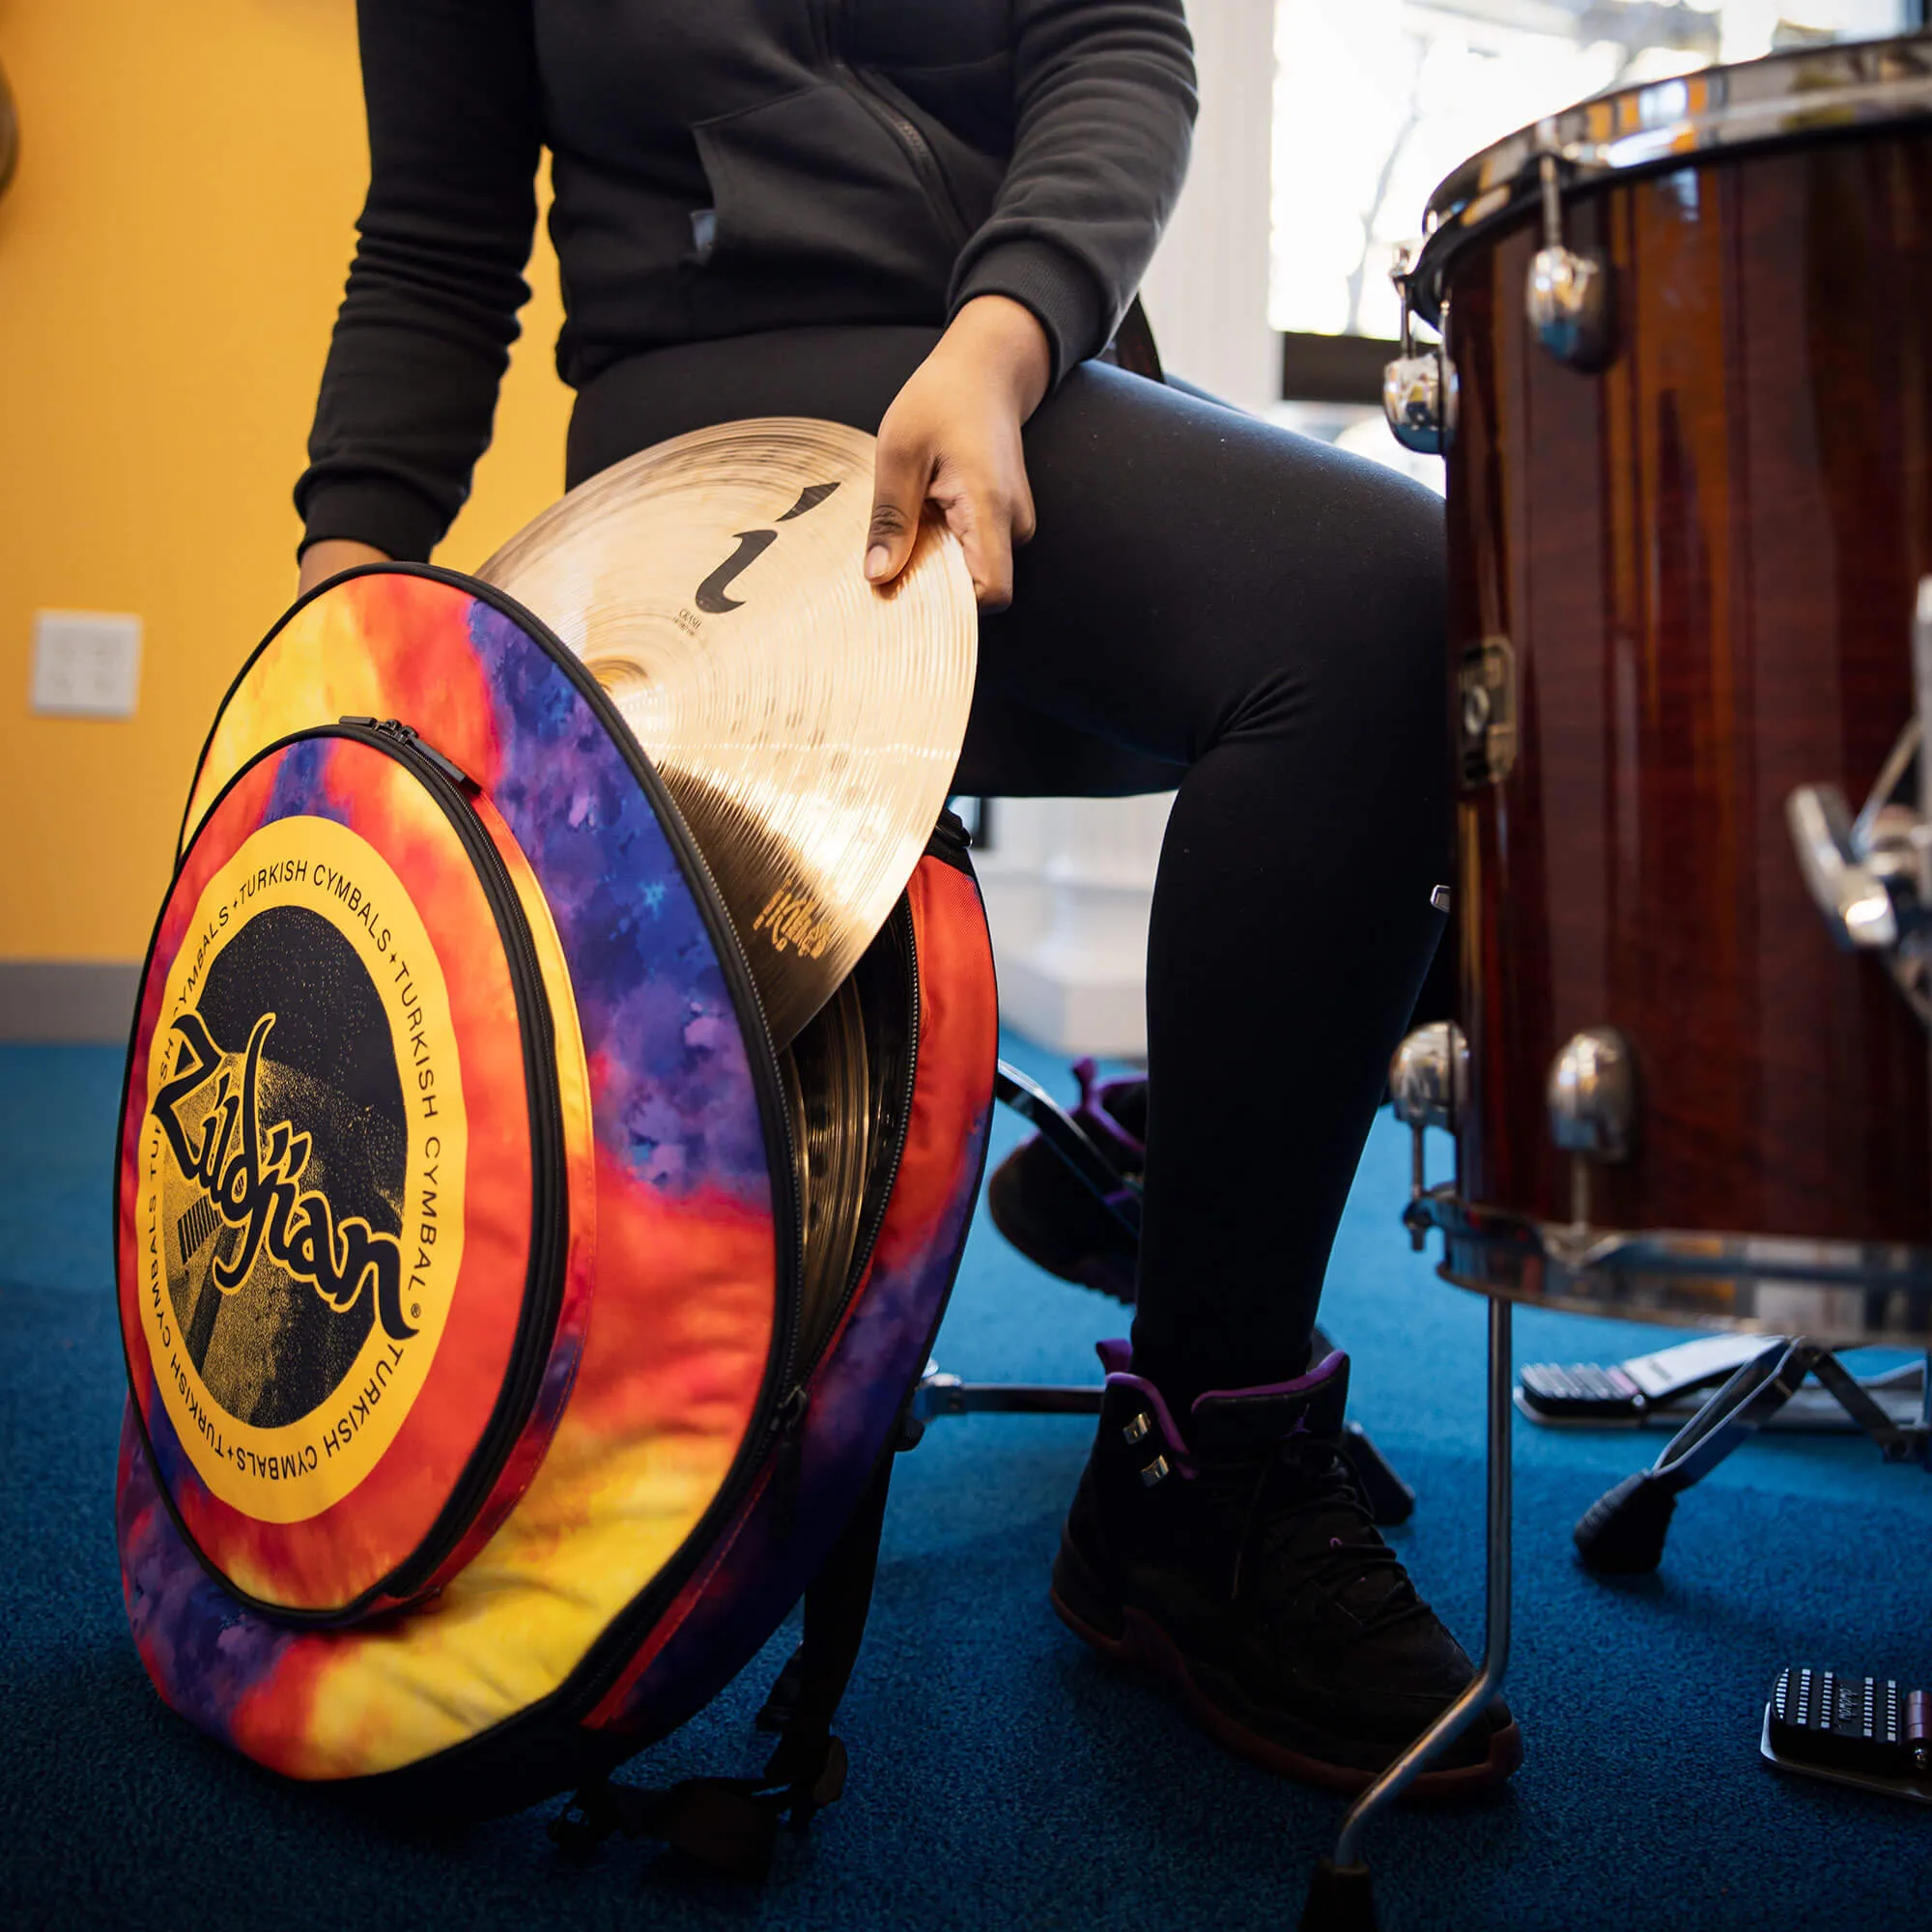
pixel 1095 1116
pixel 1110 1092
pixel 1300 1385
pixel 1116 1356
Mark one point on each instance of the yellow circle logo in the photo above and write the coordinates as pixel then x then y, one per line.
pixel 302 1171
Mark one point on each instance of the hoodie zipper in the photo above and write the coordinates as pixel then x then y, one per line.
pixel 897 123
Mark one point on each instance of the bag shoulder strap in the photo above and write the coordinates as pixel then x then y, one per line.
pixel 730 1823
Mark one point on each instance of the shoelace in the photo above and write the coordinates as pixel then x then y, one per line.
pixel 1307 1519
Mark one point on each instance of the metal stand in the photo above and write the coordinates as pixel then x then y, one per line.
pixel 1623 1533
pixel 1390 1500
pixel 1341 1898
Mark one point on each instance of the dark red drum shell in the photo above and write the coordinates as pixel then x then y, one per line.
pixel 1704 560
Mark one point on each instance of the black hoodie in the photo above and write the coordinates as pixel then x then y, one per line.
pixel 720 167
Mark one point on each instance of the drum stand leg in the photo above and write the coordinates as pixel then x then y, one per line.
pixel 1341 1898
pixel 1623 1533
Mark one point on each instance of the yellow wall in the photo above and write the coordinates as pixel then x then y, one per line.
pixel 171 254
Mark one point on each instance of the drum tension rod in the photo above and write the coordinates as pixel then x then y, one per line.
pixel 1567 298
pixel 1419 389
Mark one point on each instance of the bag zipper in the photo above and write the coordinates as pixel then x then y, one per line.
pixel 765 1079
pixel 788 1423
pixel 543 1293
pixel 901 125
pixel 453 789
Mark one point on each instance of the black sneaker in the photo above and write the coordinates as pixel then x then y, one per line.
pixel 1239 1563
pixel 1051 1216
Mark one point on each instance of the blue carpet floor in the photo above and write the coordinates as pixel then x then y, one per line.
pixel 1001 1775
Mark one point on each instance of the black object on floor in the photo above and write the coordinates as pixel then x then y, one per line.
pixel 1861 1732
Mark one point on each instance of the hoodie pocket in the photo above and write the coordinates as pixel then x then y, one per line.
pixel 821 179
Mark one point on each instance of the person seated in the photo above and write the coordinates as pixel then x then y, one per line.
pixel 927 222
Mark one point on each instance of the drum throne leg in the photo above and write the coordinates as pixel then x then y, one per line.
pixel 1623 1531
pixel 1389 1498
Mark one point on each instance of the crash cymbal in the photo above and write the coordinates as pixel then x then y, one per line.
pixel 806 724
pixel 828 1082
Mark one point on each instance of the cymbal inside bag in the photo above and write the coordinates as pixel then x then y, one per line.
pixel 829 1085
pixel 806 724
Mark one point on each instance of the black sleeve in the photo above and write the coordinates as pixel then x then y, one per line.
pixel 426 323
pixel 1105 97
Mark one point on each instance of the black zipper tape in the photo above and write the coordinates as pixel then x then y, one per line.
pixel 549 1205
pixel 788 1424
pixel 543 1289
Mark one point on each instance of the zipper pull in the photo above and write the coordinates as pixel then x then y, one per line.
pixel 407 734
pixel 788 1426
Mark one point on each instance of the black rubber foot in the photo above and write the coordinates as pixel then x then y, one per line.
pixel 1621 1533
pixel 1342 1899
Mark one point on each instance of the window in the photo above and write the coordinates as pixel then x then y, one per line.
pixel 1377 101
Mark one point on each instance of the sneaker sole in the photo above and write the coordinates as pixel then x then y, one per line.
pixel 1142 1644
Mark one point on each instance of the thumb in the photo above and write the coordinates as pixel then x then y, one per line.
pixel 899 477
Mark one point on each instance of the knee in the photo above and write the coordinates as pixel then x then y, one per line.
pixel 1393 614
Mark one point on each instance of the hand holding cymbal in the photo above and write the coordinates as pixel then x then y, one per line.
pixel 806 724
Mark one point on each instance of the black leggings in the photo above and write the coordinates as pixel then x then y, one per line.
pixel 1257 618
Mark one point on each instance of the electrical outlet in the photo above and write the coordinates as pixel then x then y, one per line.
pixel 87 663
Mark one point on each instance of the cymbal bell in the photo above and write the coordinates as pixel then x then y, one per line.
pixel 806 724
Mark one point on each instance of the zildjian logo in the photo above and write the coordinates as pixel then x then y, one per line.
pixel 254 1186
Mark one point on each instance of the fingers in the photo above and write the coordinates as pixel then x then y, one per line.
pixel 985 532
pixel 983 494
pixel 1024 520
pixel 899 478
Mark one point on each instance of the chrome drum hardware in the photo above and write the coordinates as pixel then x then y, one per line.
pixel 1429 1085
pixel 1567 298
pixel 1592 1099
pixel 1419 389
pixel 1871 876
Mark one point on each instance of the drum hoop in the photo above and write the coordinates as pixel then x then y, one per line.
pixel 1802 94
pixel 1555 1265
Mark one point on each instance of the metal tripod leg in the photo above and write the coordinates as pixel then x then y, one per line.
pixel 1623 1533
pixel 1341 1899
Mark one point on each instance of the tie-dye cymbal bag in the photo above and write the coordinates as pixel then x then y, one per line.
pixel 478 1433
